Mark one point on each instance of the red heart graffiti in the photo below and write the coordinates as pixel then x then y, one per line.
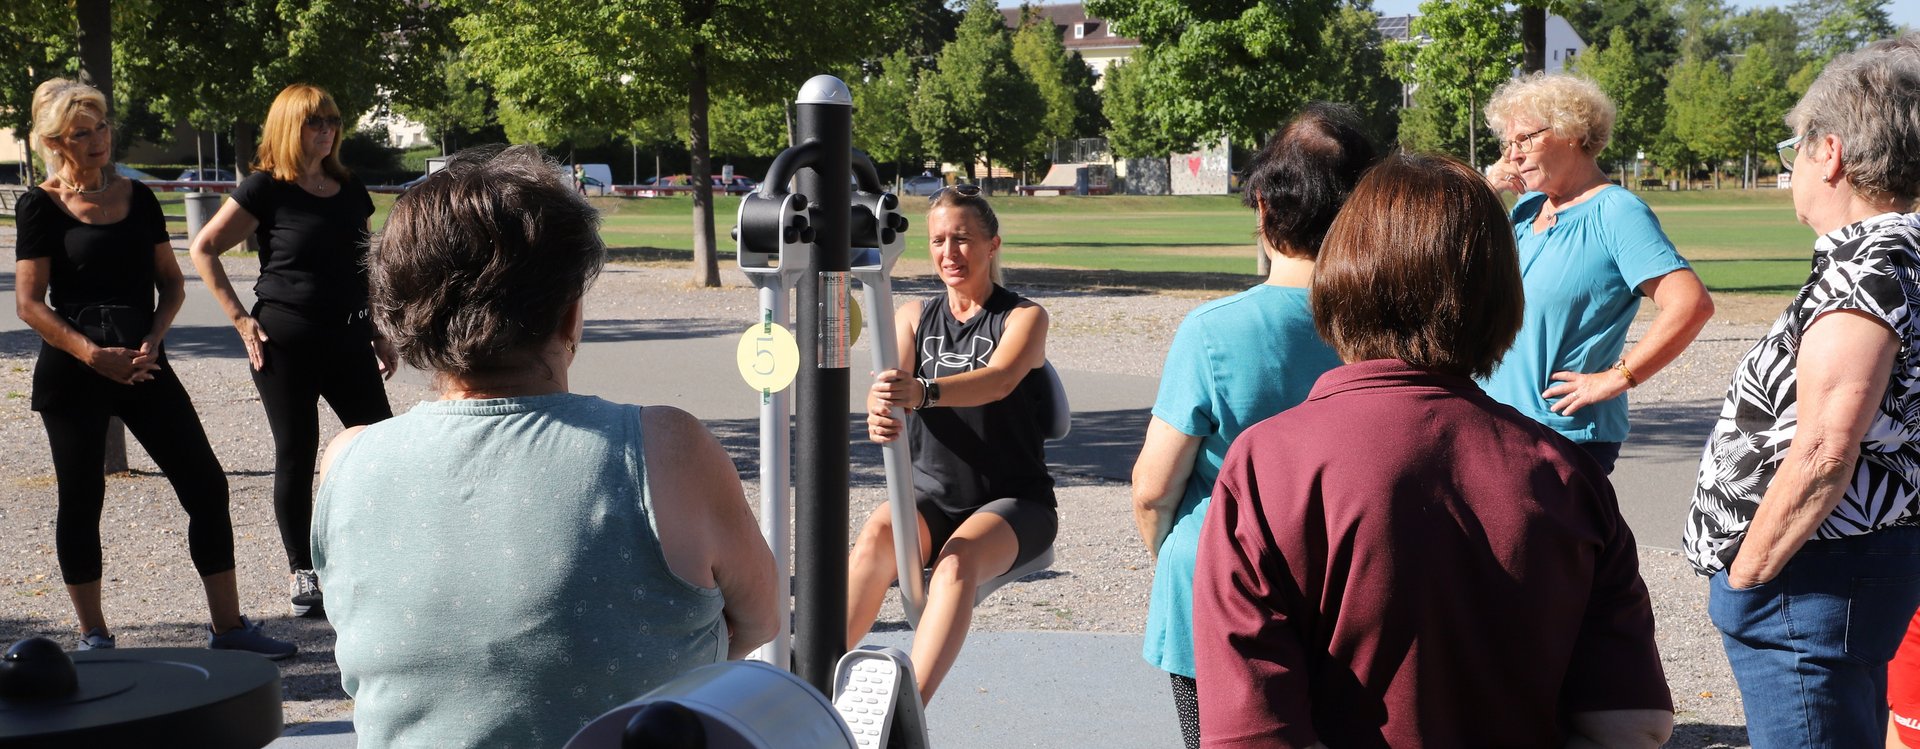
pixel 1193 165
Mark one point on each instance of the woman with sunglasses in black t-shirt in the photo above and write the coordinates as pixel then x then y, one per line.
pixel 308 335
pixel 93 249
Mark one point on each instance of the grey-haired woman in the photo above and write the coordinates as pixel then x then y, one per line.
pixel 1805 512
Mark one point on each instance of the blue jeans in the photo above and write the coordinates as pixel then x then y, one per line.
pixel 1810 648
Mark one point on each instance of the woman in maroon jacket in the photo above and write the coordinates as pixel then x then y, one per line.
pixel 1401 560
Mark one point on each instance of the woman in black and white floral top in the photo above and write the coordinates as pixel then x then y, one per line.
pixel 1804 512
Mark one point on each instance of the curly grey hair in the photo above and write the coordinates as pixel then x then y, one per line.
pixel 476 266
pixel 1870 100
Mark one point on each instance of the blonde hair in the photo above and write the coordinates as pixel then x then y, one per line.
pixel 281 145
pixel 977 202
pixel 1573 107
pixel 55 104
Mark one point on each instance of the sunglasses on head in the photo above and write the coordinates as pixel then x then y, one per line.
pixel 962 190
pixel 317 121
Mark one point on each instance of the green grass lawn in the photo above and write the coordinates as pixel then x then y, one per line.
pixel 1740 241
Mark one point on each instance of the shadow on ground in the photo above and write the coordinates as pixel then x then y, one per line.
pixel 1707 736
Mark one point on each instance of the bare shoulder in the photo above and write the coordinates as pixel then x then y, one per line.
pixel 337 446
pixel 682 455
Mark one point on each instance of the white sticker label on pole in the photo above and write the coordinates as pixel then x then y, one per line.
pixel 835 322
pixel 768 357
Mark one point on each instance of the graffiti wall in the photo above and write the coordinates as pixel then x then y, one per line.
pixel 1204 172
pixel 1143 176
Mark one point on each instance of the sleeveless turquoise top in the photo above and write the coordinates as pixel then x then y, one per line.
pixel 494 573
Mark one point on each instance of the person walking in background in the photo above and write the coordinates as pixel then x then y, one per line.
pixel 308 335
pixel 99 244
pixel 1402 560
pixel 512 560
pixel 1805 513
pixel 1235 362
pixel 1589 250
pixel 971 372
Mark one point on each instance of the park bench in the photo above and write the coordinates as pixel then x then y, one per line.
pixel 9 195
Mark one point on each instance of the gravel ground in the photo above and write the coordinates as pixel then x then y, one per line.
pixel 1099 582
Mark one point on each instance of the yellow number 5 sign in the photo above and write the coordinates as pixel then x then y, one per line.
pixel 768 357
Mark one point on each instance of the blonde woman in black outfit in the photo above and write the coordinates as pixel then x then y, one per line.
pixel 99 244
pixel 308 335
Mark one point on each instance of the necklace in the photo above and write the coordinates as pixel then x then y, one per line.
pixel 75 186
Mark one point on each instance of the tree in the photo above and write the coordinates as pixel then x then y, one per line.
pixel 1697 128
pixel 1208 69
pixel 1832 27
pixel 1703 29
pixel 1649 27
pixel 217 64
pixel 1040 55
pixel 1355 70
pixel 1637 92
pixel 460 104
pixel 1459 52
pixel 1757 104
pixel 882 112
pixel 1772 27
pixel 1088 120
pixel 743 128
pixel 567 67
pixel 1137 130
pixel 977 103
pixel 37 41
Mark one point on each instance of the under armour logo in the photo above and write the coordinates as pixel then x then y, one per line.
pixel 935 352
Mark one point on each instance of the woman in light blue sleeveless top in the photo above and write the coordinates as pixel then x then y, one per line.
pixel 1233 363
pixel 497 562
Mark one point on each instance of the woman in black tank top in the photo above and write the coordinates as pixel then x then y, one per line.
pixel 970 371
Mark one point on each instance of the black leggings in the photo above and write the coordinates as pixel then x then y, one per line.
pixel 1186 704
pixel 309 357
pixel 160 415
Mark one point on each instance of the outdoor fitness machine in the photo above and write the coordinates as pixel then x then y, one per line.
pixel 836 224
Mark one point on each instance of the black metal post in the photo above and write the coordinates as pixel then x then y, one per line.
pixel 824 116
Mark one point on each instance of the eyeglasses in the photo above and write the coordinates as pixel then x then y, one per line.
pixel 1789 150
pixel 1526 142
pixel 319 121
pixel 962 190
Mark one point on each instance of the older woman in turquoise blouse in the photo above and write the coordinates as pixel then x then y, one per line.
pixel 1589 250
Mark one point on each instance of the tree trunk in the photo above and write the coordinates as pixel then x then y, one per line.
pixel 706 262
pixel 1473 141
pixel 245 136
pixel 1533 38
pixel 986 183
pixel 95 19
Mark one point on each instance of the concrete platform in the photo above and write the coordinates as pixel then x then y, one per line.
pixel 1009 689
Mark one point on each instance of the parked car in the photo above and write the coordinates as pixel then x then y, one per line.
pixel 134 174
pixel 925 184
pixel 739 186
pixel 204 175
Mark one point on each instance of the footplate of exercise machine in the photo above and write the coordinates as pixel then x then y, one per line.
pixel 875 693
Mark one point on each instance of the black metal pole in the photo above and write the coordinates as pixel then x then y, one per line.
pixel 825 116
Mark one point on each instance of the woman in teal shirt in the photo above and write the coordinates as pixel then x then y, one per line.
pixel 1589 250
pixel 1235 362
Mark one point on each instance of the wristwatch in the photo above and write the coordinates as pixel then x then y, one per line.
pixel 930 392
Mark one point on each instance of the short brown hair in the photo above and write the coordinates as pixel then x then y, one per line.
pixel 1420 266
pixel 476 265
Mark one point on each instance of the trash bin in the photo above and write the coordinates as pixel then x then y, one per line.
pixel 200 209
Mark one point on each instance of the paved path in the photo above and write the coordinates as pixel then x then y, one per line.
pixel 1048 689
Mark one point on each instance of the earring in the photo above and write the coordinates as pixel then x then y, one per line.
pixel 573 346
